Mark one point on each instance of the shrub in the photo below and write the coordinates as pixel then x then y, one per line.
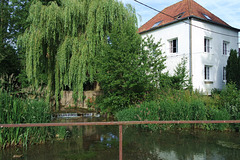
pixel 230 100
pixel 147 111
pixel 214 113
pixel 179 105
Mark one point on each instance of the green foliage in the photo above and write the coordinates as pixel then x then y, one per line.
pixel 8 57
pixel 232 68
pixel 64 39
pixel 152 61
pixel 8 83
pixel 181 79
pixel 185 105
pixel 230 100
pixel 177 106
pixel 14 110
pixel 126 73
pixel 214 113
pixel 147 111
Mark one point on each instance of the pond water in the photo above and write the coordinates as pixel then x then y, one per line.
pixel 101 143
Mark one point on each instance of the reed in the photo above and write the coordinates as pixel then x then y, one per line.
pixel 16 110
pixel 179 105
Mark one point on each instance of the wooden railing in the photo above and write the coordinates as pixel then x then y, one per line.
pixel 120 124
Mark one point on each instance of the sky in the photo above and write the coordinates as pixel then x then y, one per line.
pixel 227 10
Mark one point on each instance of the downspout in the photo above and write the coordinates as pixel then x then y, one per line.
pixel 190 48
pixel 190 39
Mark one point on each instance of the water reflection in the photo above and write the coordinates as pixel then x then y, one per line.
pixel 101 143
pixel 183 145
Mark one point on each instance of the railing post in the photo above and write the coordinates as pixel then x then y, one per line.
pixel 120 142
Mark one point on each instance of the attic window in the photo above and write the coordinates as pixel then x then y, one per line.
pixel 156 24
pixel 206 16
pixel 179 15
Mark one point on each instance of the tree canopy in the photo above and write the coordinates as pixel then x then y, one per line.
pixel 232 68
pixel 64 40
pixel 131 69
pixel 8 58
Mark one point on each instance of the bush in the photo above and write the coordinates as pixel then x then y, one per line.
pixel 147 111
pixel 165 109
pixel 230 100
pixel 185 105
pixel 214 113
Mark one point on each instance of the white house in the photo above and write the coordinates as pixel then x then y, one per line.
pixel 186 29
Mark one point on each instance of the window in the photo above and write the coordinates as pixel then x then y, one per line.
pixel 173 46
pixel 224 74
pixel 207 45
pixel 225 47
pixel 207 17
pixel 156 24
pixel 179 15
pixel 207 70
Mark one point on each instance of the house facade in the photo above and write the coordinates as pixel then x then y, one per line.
pixel 187 30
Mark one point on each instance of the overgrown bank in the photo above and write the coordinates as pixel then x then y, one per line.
pixel 14 110
pixel 187 105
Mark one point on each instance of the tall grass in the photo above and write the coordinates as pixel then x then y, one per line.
pixel 179 105
pixel 14 110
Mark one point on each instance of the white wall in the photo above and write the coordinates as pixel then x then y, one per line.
pixel 179 31
pixel 215 58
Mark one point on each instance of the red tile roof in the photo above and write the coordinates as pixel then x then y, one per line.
pixel 185 7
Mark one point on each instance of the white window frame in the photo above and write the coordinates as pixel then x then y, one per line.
pixel 173 45
pixel 207 72
pixel 225 47
pixel 224 74
pixel 207 44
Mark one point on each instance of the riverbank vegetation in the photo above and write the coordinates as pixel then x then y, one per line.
pixel 14 110
pixel 18 110
pixel 187 105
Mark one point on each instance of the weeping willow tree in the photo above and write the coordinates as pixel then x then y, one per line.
pixel 64 41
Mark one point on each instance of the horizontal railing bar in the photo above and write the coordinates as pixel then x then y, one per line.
pixel 115 123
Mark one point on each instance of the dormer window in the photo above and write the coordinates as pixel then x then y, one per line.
pixel 156 24
pixel 207 17
pixel 179 15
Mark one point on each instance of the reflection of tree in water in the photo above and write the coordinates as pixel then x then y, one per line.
pixel 180 145
pixel 91 142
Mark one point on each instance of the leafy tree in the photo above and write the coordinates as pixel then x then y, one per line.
pixel 63 41
pixel 130 68
pixel 232 68
pixel 152 60
pixel 181 79
pixel 18 20
pixel 8 58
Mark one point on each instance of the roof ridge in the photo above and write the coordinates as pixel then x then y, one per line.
pixel 190 7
